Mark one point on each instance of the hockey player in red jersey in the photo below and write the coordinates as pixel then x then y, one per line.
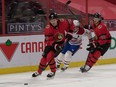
pixel 55 35
pixel 72 46
pixel 99 46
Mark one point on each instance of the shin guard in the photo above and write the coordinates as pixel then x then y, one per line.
pixel 93 58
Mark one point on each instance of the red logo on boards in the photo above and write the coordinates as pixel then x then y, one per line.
pixel 8 49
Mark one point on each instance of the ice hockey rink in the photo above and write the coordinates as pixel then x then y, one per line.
pixel 99 76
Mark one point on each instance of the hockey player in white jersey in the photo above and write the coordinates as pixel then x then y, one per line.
pixel 72 46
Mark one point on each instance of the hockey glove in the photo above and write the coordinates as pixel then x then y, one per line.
pixel 88 27
pixel 68 37
pixel 99 47
pixel 56 47
pixel 46 51
pixel 91 47
pixel 94 46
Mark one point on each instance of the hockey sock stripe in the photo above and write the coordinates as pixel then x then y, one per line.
pixel 59 61
pixel 52 68
pixel 66 63
pixel 42 65
pixel 52 63
pixel 41 68
pixel 90 62
pixel 93 60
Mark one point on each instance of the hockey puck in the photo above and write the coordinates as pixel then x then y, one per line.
pixel 25 83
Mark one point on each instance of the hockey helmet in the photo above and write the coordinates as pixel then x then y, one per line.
pixel 76 23
pixel 97 15
pixel 53 16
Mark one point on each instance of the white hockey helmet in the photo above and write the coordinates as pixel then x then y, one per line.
pixel 76 23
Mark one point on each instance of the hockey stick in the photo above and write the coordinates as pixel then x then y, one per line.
pixel 67 7
pixel 56 54
pixel 48 63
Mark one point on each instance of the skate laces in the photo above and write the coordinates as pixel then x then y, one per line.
pixel 36 73
pixel 51 73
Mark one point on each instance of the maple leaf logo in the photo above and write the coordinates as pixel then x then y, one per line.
pixel 8 49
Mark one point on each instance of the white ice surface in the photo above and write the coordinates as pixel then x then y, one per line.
pixel 98 76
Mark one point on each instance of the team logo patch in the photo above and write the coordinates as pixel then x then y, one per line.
pixel 59 37
pixel 100 26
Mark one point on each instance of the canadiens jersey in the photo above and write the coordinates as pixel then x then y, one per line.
pixel 76 40
pixel 77 36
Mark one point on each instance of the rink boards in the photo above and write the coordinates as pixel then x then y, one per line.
pixel 23 53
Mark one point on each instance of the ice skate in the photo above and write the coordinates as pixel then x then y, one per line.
pixel 64 68
pixel 36 74
pixel 51 75
pixel 57 67
pixel 85 68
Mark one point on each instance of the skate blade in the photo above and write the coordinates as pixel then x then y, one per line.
pixel 35 76
pixel 62 70
pixel 83 71
pixel 50 78
pixel 80 71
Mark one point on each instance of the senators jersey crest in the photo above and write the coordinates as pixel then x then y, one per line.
pixel 100 26
pixel 58 37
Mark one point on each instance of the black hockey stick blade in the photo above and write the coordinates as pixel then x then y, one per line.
pixel 68 2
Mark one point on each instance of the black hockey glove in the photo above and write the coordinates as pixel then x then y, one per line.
pixel 56 47
pixel 94 46
pixel 91 47
pixel 68 37
pixel 99 47
pixel 88 27
pixel 46 51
